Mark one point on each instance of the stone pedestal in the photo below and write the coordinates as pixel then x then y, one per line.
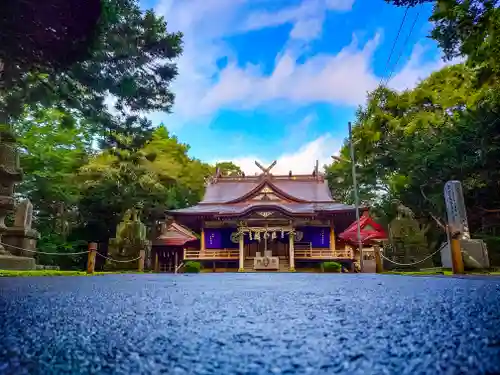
pixel 18 238
pixel 12 262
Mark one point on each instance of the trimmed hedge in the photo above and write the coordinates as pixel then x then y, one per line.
pixel 192 267
pixel 331 267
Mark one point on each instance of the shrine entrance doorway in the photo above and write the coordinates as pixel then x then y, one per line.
pixel 277 248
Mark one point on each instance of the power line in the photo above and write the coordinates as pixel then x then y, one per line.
pixel 395 42
pixel 403 48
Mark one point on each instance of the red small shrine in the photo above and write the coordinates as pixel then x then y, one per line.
pixel 168 247
pixel 370 231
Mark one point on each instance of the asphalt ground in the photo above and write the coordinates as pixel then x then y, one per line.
pixel 249 324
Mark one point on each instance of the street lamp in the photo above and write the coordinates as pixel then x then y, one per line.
pixel 356 195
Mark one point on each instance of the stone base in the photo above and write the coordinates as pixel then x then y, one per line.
pixel 12 262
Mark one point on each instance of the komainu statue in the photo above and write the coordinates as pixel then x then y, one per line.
pixel 130 239
pixel 408 239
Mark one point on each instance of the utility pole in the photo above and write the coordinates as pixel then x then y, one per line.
pixel 356 197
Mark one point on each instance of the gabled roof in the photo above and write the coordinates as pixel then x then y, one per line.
pixel 240 195
pixel 300 190
pixel 175 235
pixel 369 230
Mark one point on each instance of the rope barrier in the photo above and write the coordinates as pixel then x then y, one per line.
pixel 41 252
pixel 410 264
pixel 118 261
pixel 78 253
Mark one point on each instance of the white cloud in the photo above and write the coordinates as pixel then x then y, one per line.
pixel 205 23
pixel 343 78
pixel 307 17
pixel 300 162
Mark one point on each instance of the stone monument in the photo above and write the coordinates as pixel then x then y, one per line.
pixel 10 173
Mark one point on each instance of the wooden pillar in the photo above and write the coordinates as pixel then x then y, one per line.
pixel 142 254
pixel 177 260
pixel 332 237
pixel 157 262
pixel 457 261
pixel 242 254
pixel 379 265
pixel 291 248
pixel 202 241
pixel 91 257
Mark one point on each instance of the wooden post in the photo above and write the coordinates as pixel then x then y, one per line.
pixel 379 265
pixel 332 238
pixel 177 260
pixel 142 254
pixel 157 262
pixel 91 257
pixel 457 261
pixel 242 254
pixel 202 240
pixel 291 248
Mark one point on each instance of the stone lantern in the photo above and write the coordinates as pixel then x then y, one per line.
pixel 21 235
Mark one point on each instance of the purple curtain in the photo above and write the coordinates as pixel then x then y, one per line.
pixel 319 237
pixel 213 238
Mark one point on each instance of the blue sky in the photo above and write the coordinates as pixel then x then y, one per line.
pixel 275 79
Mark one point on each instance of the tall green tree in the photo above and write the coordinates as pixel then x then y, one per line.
pixel 409 144
pixel 132 62
pixel 156 177
pixel 467 28
pixel 228 168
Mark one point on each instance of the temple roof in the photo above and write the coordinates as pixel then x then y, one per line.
pixel 306 190
pixel 293 208
pixel 292 194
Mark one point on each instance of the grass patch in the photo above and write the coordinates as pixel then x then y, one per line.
pixel 29 273
pixel 445 272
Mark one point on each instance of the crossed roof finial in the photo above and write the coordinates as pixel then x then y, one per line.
pixel 265 171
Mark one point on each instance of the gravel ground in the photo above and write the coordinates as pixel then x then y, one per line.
pixel 249 324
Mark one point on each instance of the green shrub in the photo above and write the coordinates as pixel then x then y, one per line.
pixel 331 267
pixel 192 267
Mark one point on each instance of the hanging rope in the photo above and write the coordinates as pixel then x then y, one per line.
pixel 77 253
pixel 410 264
pixel 41 252
pixel 118 261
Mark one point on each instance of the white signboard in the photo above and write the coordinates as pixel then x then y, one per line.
pixel 455 208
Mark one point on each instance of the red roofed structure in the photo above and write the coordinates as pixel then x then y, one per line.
pixel 169 246
pixel 369 230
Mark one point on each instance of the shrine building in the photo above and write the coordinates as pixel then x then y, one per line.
pixel 264 222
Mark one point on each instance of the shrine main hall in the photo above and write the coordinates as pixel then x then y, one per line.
pixel 263 222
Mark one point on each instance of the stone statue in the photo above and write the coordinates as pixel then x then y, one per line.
pixel 130 238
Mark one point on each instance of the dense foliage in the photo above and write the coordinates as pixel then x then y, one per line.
pixel 331 267
pixel 193 267
pixel 45 36
pixel 408 144
pixel 130 65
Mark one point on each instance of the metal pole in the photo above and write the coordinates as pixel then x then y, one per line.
pixel 356 198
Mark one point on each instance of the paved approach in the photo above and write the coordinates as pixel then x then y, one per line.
pixel 249 324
